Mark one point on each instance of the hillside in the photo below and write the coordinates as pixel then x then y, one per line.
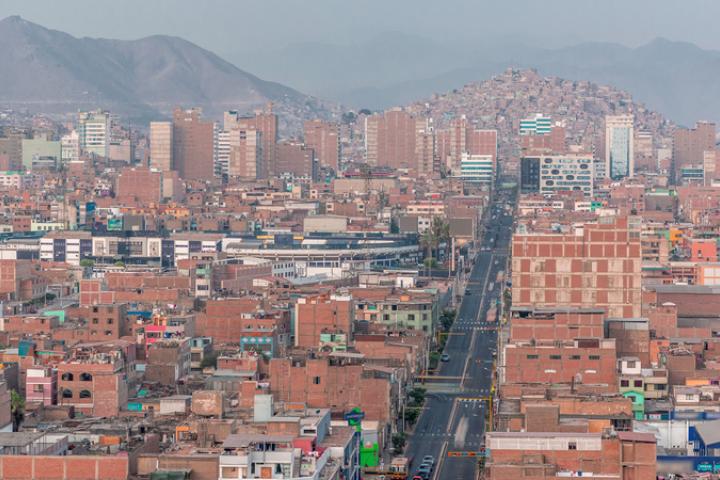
pixel 51 71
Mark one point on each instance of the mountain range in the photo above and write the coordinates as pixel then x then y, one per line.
pixel 51 71
pixel 675 78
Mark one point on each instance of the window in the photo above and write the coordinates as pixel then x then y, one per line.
pixel 316 380
pixel 624 383
pixel 411 317
pixel 67 393
pixel 95 321
pixel 37 388
pixel 109 321
pixel 572 445
pixel 85 377
pixel 638 383
pixel 67 376
pixel 631 364
pixel 532 357
pixel 574 357
pixel 85 394
pixel 594 357
pixel 555 357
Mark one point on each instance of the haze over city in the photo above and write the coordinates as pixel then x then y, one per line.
pixel 380 240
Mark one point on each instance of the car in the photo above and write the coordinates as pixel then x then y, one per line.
pixel 424 471
pixel 445 357
pixel 468 292
pixel 429 460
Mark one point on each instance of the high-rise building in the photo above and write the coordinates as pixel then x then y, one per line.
pixel 549 174
pixel 70 147
pixel 619 146
pixel 94 132
pixel 552 143
pixel 462 138
pixel 161 146
pixel 597 265
pixel 324 139
pixel 266 124
pixel 398 140
pixel 246 154
pixel 689 145
pixel 193 145
pixel 11 149
pixel 538 124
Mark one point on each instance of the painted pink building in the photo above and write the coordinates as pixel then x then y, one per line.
pixel 41 385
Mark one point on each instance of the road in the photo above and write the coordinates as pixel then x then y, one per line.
pixel 455 414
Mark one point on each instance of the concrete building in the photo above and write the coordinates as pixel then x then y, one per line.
pixel 70 147
pixel 240 153
pixel 161 146
pixel 598 265
pixel 477 168
pixel 94 132
pixel 193 145
pixel 538 124
pixel 266 124
pixel 41 151
pixel 322 314
pixel 619 146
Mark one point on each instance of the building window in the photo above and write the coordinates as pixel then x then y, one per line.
pixel 532 357
pixel 67 376
pixel 631 364
pixel 37 388
pixel 411 317
pixel 555 357
pixel 85 394
pixel 638 383
pixel 624 383
pixel 572 445
pixel 67 393
pixel 85 377
pixel 594 357
pixel 316 380
pixel 574 357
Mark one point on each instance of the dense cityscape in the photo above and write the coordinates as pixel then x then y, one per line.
pixel 515 279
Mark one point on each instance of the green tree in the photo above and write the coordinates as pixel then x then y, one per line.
pixel 17 409
pixel 398 441
pixel 411 416
pixel 417 395
pixel 447 317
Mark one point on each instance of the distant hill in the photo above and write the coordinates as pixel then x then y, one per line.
pixel 51 71
pixel 675 78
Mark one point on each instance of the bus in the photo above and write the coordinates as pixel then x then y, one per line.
pixel 492 315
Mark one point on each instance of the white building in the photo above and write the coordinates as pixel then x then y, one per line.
pixel 619 146
pixel 563 173
pixel 161 145
pixel 477 168
pixel 94 132
pixel 70 147
pixel 538 124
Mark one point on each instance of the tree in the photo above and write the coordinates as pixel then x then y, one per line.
pixel 447 317
pixel 398 441
pixel 434 236
pixel 411 416
pixel 417 395
pixel 17 409
pixel 210 360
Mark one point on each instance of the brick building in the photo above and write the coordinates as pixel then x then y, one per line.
pixel 596 266
pixel 193 145
pixel 324 139
pixel 540 456
pixel 319 314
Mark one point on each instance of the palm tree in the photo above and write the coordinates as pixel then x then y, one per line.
pixel 434 236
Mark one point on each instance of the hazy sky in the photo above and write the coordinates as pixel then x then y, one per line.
pixel 226 26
